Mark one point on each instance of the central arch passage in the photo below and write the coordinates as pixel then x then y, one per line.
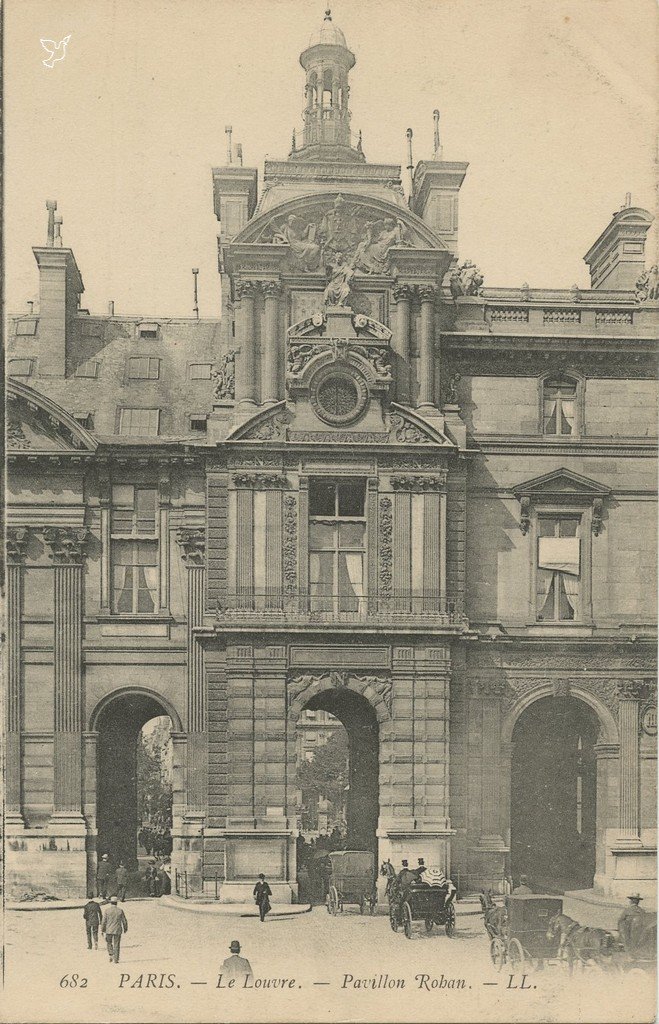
pixel 359 720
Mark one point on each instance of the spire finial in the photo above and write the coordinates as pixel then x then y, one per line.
pixel 328 14
pixel 51 206
pixel 437 149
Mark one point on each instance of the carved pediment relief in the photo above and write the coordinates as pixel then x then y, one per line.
pixel 36 425
pixel 360 231
pixel 401 427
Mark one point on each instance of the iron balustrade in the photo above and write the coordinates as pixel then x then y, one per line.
pixel 396 608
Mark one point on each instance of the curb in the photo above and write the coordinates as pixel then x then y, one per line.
pixel 234 909
pixel 29 906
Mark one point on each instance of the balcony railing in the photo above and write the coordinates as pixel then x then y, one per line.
pixel 336 609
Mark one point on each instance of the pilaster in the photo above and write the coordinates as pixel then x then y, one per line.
pixel 192 542
pixel 427 347
pixel 67 547
pixel 401 343
pixel 246 382
pixel 629 696
pixel 17 540
pixel 272 344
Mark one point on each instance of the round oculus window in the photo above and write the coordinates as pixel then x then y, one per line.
pixel 339 397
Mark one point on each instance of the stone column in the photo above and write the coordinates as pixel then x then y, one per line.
pixel 629 694
pixel 246 382
pixel 17 539
pixel 426 347
pixel 68 552
pixel 401 343
pixel 193 548
pixel 273 372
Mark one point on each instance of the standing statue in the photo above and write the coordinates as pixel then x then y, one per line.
pixel 466 280
pixel 225 378
pixel 647 286
pixel 302 239
pixel 341 273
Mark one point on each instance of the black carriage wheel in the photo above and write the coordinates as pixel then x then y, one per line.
pixel 449 927
pixel 498 953
pixel 407 920
pixel 393 918
pixel 429 924
pixel 516 957
pixel 362 904
pixel 333 905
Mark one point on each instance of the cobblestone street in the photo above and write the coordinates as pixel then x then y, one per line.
pixel 374 973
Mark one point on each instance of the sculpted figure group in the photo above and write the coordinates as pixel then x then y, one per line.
pixel 342 246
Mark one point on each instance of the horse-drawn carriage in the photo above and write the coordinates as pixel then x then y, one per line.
pixel 430 904
pixel 522 940
pixel 352 881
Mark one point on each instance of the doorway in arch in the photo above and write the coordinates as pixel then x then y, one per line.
pixel 553 795
pixel 338 779
pixel 133 786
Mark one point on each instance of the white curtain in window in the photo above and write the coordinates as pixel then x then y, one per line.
pixel 544 583
pixel 560 554
pixel 571 584
pixel 354 568
pixel 567 408
pixel 550 411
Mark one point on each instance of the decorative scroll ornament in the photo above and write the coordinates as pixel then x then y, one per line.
pixel 271 429
pixel 419 483
pixel 225 378
pixel 67 544
pixel 193 545
pixel 16 438
pixel 407 432
pixel 633 689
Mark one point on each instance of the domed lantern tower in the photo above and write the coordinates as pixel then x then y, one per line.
pixel 327 62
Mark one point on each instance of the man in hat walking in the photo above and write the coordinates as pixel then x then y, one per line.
pixel 104 873
pixel 114 924
pixel 262 894
pixel 236 966
pixel 523 888
pixel 631 923
pixel 93 917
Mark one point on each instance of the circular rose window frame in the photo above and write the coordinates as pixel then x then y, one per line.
pixel 339 373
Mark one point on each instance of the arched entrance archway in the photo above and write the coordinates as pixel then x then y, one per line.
pixel 553 794
pixel 119 722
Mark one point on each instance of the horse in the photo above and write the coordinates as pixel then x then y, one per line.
pixel 561 926
pixel 495 918
pixel 388 871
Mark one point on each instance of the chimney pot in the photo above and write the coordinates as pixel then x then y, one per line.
pixel 111 308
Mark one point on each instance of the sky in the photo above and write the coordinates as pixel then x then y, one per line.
pixel 552 103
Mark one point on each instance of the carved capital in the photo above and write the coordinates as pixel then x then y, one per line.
pixel 67 544
pixel 402 293
pixel 427 292
pixel 271 289
pixel 244 289
pixel 632 689
pixel 17 540
pixel 192 541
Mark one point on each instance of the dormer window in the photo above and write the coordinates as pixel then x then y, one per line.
pixel 559 406
pixel 148 331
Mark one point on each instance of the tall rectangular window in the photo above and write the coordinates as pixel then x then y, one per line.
pixel 337 545
pixel 134 550
pixel 559 400
pixel 558 571
pixel 139 422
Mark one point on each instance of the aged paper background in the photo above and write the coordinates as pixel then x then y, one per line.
pixel 553 103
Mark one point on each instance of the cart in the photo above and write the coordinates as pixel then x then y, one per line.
pixel 352 881
pixel 523 943
pixel 423 902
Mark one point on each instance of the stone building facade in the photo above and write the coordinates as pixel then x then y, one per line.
pixel 372 487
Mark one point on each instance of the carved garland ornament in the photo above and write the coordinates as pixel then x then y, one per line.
pixel 259 480
pixel 339 680
pixel 419 483
pixel 290 544
pixel 386 546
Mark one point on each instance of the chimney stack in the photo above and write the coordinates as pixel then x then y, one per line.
pixel 60 288
pixel 111 308
pixel 617 258
pixel 228 130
